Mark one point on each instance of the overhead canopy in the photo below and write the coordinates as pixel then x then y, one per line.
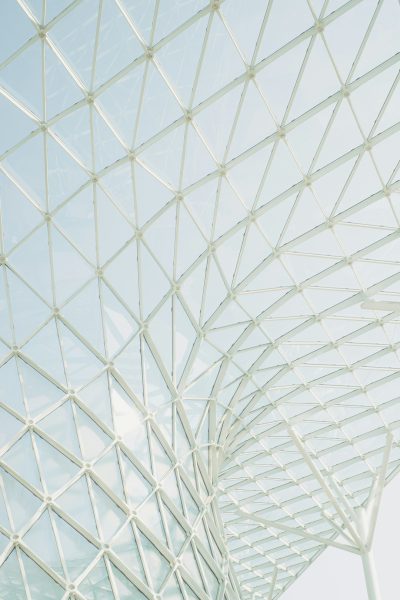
pixel 199 292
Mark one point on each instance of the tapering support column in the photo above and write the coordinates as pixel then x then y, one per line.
pixel 354 522
pixel 367 518
pixel 371 579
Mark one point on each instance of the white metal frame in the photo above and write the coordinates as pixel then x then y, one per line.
pixel 246 536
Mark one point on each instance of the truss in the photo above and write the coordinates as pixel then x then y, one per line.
pixel 199 293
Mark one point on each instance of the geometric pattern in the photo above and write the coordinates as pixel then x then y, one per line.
pixel 199 292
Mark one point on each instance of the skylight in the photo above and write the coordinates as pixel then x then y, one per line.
pixel 199 293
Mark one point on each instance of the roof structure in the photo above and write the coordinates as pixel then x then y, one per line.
pixel 199 293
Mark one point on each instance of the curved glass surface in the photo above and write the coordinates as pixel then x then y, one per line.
pixel 199 293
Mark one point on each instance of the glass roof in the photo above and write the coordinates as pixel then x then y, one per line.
pixel 199 292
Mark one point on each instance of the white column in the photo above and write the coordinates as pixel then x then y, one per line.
pixel 371 579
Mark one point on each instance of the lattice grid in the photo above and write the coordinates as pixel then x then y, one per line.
pixel 199 292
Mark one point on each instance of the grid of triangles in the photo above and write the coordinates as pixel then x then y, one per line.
pixel 196 199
